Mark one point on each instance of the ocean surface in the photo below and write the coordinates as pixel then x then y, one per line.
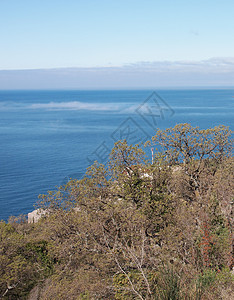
pixel 48 137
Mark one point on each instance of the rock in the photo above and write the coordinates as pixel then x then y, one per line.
pixel 34 216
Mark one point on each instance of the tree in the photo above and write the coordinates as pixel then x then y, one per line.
pixel 126 230
pixel 194 149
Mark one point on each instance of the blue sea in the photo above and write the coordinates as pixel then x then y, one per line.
pixel 48 137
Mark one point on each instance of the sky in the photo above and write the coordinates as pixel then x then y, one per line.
pixel 107 37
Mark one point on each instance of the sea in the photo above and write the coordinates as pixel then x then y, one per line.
pixel 48 137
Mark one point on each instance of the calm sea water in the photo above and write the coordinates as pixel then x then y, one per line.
pixel 50 136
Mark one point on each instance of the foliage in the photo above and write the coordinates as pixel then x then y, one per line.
pixel 132 229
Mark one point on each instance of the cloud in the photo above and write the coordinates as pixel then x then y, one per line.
pixel 211 72
pixel 214 65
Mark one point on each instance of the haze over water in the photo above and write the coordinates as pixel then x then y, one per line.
pixel 50 136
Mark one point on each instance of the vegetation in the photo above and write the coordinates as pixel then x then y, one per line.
pixel 132 229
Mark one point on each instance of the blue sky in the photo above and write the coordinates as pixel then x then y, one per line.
pixel 106 33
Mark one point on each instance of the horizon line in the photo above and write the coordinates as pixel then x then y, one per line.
pixel 122 88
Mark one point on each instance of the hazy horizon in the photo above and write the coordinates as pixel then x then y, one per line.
pixel 215 72
pixel 116 45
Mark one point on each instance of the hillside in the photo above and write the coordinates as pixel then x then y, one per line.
pixel 132 229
